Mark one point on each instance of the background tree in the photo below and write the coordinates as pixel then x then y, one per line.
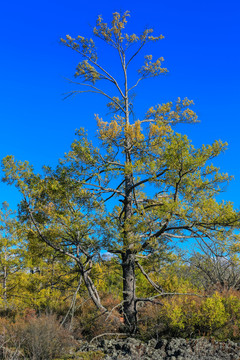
pixel 215 266
pixel 11 255
pixel 144 187
pixel 61 215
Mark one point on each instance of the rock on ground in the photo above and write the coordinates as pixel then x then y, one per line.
pixel 174 349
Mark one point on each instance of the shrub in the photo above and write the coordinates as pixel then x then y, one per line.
pixel 212 314
pixel 37 338
pixel 215 316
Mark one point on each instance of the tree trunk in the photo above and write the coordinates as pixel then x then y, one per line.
pixel 128 257
pixel 129 292
pixel 92 291
pixel 5 275
pixel 5 285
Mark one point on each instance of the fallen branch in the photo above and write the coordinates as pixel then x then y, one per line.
pixel 108 334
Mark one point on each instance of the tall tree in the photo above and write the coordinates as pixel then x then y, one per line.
pixel 144 186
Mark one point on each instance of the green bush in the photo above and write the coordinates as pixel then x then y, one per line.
pixel 191 316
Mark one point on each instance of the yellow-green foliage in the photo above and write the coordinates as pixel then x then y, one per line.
pixel 90 355
pixel 217 315
pixel 212 313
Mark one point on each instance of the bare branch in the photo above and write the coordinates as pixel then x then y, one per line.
pixel 115 307
pixel 156 287
pixel 114 193
pixel 179 294
pixel 72 306
pixel 148 300
pixel 135 54
pixel 105 190
pixel 95 90
pixel 149 179
pixel 141 78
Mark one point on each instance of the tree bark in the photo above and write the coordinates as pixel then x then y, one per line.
pixel 5 275
pixel 129 292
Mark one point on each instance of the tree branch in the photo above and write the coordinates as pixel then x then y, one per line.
pixel 95 90
pixel 111 78
pixel 156 287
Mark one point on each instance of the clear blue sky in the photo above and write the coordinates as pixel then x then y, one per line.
pixel 201 50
